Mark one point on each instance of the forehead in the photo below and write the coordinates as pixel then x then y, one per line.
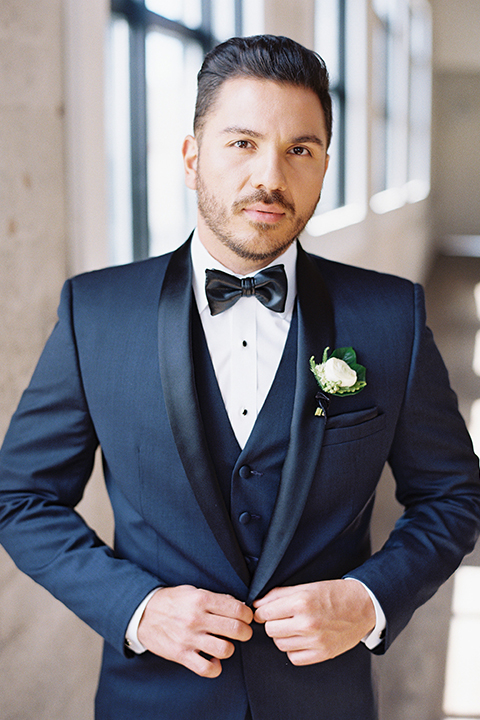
pixel 266 106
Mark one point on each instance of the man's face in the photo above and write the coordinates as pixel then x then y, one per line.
pixel 258 169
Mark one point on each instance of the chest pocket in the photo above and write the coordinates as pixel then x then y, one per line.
pixel 351 426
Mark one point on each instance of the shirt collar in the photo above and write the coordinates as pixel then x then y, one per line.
pixel 202 260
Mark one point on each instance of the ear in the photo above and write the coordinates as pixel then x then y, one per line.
pixel 190 160
pixel 327 160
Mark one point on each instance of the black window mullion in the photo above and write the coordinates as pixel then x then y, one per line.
pixel 138 142
pixel 238 17
pixel 342 100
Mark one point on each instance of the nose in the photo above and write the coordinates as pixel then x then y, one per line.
pixel 268 172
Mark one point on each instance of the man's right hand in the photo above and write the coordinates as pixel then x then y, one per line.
pixel 180 623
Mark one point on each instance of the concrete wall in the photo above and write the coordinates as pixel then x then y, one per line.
pixel 33 232
pixel 48 658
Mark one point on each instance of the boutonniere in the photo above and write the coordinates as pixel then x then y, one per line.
pixel 337 374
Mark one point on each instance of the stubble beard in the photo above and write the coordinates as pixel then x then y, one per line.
pixel 216 218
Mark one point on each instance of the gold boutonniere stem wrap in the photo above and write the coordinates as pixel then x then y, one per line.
pixel 338 374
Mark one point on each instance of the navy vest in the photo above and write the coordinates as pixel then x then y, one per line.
pixel 249 479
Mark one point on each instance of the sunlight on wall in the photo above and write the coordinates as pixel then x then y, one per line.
pixel 462 689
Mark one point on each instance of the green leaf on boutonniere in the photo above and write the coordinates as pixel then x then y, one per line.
pixel 339 373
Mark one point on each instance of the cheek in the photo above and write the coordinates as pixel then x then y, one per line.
pixel 307 197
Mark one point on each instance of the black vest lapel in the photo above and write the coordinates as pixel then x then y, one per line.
pixel 222 443
pixel 177 373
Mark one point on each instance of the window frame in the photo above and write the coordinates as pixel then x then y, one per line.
pixel 140 21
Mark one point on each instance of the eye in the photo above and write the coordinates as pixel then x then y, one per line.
pixel 300 151
pixel 242 144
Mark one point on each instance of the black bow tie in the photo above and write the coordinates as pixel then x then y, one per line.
pixel 269 287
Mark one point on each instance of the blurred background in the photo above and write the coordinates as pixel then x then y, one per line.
pixel 95 99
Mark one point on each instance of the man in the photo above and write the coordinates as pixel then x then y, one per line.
pixel 241 583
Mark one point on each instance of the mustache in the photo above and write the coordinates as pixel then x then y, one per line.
pixel 273 198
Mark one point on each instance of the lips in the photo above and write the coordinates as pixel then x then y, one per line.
pixel 265 213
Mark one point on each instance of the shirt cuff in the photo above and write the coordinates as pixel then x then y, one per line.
pixel 131 639
pixel 375 637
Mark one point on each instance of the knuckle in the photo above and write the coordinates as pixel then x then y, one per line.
pixel 310 624
pixel 302 604
pixel 191 621
pixel 240 611
pixel 235 628
pixel 201 598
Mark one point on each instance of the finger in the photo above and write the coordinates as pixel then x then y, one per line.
pixel 279 609
pixel 226 628
pixel 205 667
pixel 282 628
pixel 308 657
pixel 227 606
pixel 275 594
pixel 215 647
pixel 292 644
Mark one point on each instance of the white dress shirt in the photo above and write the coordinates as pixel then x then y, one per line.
pixel 245 343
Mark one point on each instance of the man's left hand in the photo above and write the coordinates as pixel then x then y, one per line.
pixel 317 621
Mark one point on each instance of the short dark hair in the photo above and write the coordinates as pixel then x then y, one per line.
pixel 268 57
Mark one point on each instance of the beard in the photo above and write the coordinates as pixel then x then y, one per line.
pixel 264 243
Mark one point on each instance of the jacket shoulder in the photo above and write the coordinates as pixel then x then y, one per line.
pixel 123 275
pixel 349 285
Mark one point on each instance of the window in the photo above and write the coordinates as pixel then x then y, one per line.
pixel 390 95
pixel 420 104
pixel 156 48
pixel 401 87
pixel 340 38
pixel 381 150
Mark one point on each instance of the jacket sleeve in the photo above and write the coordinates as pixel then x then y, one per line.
pixel 437 482
pixel 45 463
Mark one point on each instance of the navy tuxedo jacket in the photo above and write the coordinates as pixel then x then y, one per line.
pixel 117 371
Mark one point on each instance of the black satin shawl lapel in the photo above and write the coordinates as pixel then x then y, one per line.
pixel 315 333
pixel 176 369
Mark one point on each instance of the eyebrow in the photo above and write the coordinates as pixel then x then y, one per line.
pixel 237 130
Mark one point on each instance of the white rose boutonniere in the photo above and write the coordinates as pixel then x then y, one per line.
pixel 339 374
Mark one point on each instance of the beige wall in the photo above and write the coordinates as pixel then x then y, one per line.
pixel 293 19
pixel 456 127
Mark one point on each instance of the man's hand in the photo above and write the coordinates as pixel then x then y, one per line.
pixel 180 623
pixel 316 621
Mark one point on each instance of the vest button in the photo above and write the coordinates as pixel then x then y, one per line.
pixel 245 472
pixel 244 518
